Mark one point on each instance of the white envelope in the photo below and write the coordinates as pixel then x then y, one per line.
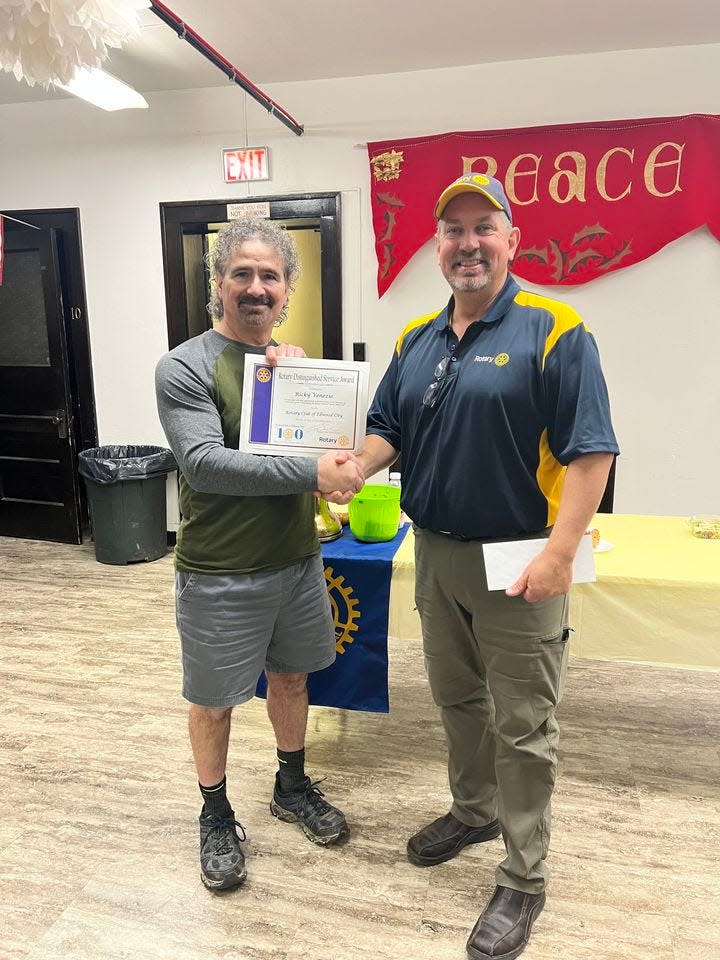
pixel 504 562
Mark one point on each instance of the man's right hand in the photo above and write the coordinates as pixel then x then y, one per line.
pixel 339 476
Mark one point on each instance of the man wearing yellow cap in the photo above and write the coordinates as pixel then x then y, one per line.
pixel 499 407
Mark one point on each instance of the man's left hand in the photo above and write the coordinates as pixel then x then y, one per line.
pixel 282 350
pixel 548 575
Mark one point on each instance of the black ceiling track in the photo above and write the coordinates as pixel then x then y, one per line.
pixel 187 33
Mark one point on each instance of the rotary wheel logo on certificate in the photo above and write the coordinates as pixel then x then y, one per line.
pixel 263 374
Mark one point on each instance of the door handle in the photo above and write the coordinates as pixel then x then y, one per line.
pixel 37 423
pixel 60 421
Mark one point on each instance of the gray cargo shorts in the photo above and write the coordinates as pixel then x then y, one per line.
pixel 233 627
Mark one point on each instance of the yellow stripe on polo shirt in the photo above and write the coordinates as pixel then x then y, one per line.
pixel 550 474
pixel 412 325
pixel 564 317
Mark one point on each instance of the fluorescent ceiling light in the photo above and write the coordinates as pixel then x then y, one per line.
pixel 103 90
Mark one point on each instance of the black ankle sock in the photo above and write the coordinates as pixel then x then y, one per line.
pixel 216 802
pixel 292 769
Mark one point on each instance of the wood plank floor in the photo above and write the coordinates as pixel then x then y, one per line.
pixel 98 801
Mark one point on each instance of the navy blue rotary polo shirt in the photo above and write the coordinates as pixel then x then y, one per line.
pixel 520 397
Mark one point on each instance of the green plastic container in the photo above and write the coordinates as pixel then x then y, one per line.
pixel 374 513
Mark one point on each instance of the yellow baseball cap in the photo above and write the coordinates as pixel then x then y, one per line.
pixel 489 187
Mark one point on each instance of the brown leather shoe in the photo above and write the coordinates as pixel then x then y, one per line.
pixel 503 928
pixel 444 838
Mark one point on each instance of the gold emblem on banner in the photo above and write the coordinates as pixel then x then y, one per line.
pixel 386 166
pixel 263 374
pixel 345 609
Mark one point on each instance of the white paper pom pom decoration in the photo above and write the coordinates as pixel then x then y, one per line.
pixel 46 41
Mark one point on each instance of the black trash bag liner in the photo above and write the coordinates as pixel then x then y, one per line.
pixel 113 464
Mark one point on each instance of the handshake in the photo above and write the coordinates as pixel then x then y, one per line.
pixel 339 476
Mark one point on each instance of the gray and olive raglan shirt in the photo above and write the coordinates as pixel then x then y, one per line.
pixel 521 396
pixel 240 512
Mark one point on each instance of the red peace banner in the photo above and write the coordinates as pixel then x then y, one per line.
pixel 588 198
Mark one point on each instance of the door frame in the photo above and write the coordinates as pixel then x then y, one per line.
pixel 66 223
pixel 324 207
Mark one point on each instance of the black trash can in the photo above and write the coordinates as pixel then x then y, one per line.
pixel 126 494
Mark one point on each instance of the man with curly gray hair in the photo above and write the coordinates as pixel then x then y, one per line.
pixel 234 235
pixel 250 584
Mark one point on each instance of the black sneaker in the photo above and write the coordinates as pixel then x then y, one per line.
pixel 321 822
pixel 222 862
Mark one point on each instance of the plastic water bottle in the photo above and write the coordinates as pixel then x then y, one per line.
pixel 394 479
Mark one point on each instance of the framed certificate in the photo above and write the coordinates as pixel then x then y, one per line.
pixel 303 407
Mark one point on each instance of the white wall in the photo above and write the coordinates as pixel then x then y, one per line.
pixel 657 323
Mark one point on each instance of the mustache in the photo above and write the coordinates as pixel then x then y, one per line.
pixel 249 301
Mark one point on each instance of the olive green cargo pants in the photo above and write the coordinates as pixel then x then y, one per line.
pixel 495 666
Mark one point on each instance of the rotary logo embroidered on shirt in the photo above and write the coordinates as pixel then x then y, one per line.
pixel 500 360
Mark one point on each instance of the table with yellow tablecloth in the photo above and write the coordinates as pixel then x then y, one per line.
pixel 656 599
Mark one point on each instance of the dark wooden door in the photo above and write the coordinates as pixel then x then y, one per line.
pixel 185 224
pixel 39 495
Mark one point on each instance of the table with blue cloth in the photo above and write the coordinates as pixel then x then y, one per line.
pixel 358 579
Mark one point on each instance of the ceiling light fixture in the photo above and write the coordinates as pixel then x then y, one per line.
pixel 103 90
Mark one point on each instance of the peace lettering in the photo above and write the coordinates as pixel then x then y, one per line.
pixel 570 180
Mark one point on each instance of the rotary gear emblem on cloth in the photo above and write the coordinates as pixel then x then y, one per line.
pixel 345 609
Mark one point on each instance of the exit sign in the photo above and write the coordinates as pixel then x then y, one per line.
pixel 246 163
